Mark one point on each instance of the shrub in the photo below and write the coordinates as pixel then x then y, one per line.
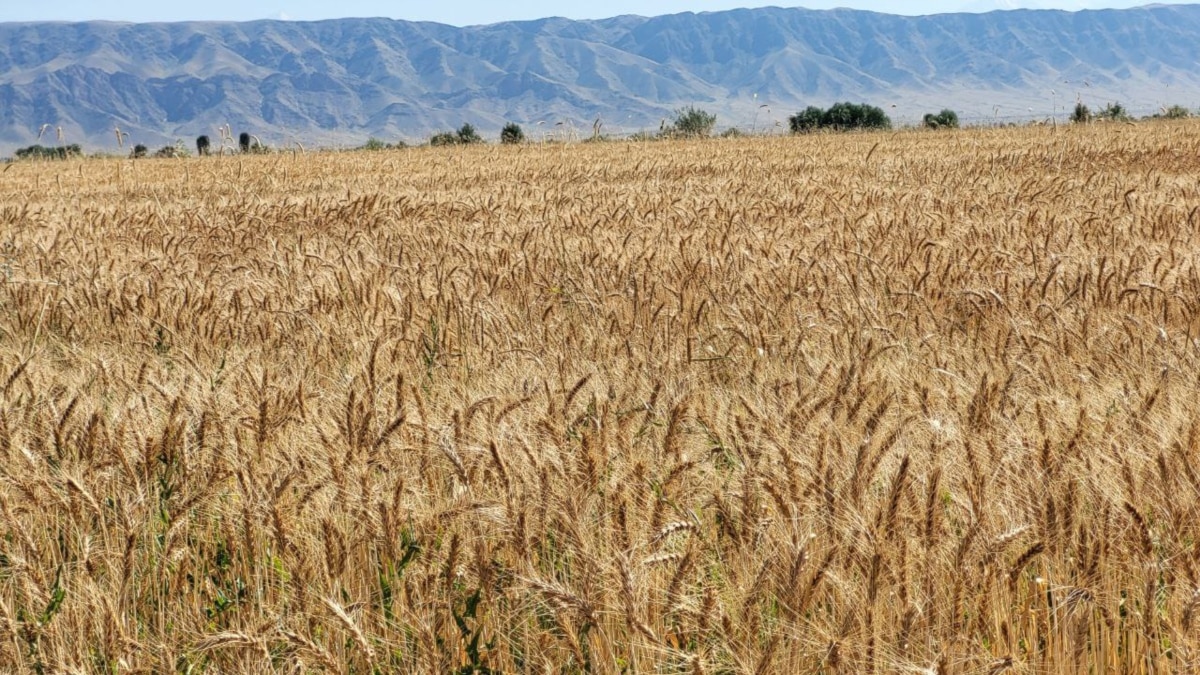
pixel 1176 112
pixel 692 122
pixel 203 146
pixel 244 142
pixel 467 135
pixel 172 151
pixel 1082 114
pixel 139 151
pixel 43 152
pixel 947 119
pixel 732 132
pixel 845 116
pixel 806 120
pixel 840 117
pixel 512 134
pixel 374 144
pixel 1113 112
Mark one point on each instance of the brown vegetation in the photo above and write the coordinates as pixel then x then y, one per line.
pixel 863 403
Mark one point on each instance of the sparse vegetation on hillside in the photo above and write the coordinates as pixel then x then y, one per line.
pixel 669 408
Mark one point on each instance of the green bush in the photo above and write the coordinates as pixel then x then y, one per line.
pixel 947 119
pixel 1082 114
pixel 512 134
pixel 692 122
pixel 1113 112
pixel 806 120
pixel 139 151
pixel 467 135
pixel 42 152
pixel 1176 112
pixel 374 144
pixel 840 117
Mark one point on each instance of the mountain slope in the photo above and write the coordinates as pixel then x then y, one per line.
pixel 340 81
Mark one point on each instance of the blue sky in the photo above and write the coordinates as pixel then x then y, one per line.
pixel 462 12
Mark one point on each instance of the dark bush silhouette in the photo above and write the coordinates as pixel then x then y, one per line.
pixel 806 120
pixel 1175 112
pixel 139 151
pixel 171 151
pixel 203 146
pixel 244 142
pixel 511 134
pixel 947 119
pixel 42 152
pixel 840 117
pixel 1113 112
pixel 466 135
pixel 1082 114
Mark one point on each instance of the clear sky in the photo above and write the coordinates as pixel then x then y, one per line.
pixel 464 12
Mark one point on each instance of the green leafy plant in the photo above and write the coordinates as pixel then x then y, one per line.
pixel 692 122
pixel 512 134
pixel 43 152
pixel 1113 112
pixel 840 117
pixel 806 120
pixel 1082 114
pixel 1175 112
pixel 946 119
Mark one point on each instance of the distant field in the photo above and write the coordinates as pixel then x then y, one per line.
pixel 912 402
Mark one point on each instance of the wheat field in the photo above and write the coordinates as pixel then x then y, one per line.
pixel 882 403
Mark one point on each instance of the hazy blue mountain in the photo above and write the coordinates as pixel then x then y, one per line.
pixel 343 81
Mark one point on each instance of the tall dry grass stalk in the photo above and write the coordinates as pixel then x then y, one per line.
pixel 864 403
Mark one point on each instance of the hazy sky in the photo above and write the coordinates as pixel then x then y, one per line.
pixel 463 12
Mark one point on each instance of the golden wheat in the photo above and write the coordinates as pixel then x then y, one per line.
pixel 858 403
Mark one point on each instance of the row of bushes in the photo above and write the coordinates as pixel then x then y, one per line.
pixel 689 122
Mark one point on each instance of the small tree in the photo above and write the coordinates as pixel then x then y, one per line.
pixel 203 146
pixel 139 151
pixel 244 142
pixel 512 134
pixel 444 138
pixel 1082 114
pixel 947 119
pixel 692 122
pixel 806 120
pixel 467 135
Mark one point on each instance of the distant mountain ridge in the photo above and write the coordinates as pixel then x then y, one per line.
pixel 341 81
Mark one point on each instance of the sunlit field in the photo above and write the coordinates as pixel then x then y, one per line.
pixel 877 403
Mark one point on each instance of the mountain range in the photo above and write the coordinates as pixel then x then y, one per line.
pixel 342 81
